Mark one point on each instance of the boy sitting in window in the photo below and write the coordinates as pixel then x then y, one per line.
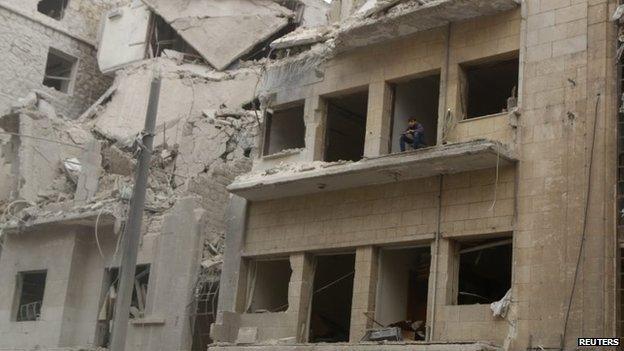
pixel 413 135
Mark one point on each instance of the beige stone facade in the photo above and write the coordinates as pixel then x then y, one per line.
pixel 566 84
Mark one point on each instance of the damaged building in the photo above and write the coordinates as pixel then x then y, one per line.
pixel 497 232
pixel 49 49
pixel 281 213
pixel 70 139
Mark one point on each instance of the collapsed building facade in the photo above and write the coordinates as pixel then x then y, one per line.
pixel 71 130
pixel 277 188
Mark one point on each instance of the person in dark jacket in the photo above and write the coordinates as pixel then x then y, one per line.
pixel 413 135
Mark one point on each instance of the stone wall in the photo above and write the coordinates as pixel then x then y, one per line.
pixel 25 43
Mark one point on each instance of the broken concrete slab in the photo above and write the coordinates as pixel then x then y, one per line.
pixel 222 31
pixel 409 17
pixel 123 36
pixel 301 36
pixel 315 13
pixel 90 162
pixel 422 163
pixel 185 86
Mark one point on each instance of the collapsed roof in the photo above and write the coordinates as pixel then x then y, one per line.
pixel 222 31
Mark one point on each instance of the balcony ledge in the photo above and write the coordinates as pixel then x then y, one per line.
pixel 432 161
pixel 412 16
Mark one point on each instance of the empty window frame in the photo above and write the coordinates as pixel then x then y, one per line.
pixel 60 71
pixel 30 292
pixel 346 127
pixel 489 86
pixel 417 98
pixel 268 286
pixel 402 289
pixel 111 288
pixel 284 129
pixel 484 270
pixel 53 8
pixel 330 317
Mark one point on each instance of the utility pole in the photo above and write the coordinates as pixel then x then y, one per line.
pixel 132 235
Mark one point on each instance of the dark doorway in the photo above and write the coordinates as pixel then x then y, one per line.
pixel 330 318
pixel 346 127
pixel 402 290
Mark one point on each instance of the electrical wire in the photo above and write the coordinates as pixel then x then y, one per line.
pixel 43 139
pixel 584 228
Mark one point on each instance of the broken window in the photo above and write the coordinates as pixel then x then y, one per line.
pixel 346 127
pixel 330 317
pixel 60 71
pixel 30 291
pixel 165 41
pixel 53 8
pixel 484 274
pixel 268 286
pixel 284 129
pixel 489 87
pixel 107 307
pixel 402 290
pixel 206 296
pixel 416 98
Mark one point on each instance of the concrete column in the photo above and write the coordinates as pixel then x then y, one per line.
pixel 378 119
pixel 300 292
pixel 315 114
pixel 91 159
pixel 364 289
pixel 235 220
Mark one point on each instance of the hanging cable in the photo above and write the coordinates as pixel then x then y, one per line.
pixel 584 228
pixel 44 139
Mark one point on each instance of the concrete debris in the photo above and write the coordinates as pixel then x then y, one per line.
pixel 73 168
pixel 500 307
pixel 371 7
pixel 302 36
pixel 98 104
pixel 123 36
pixel 194 86
pixel 286 169
pixel 212 261
pixel 617 14
pixel 223 31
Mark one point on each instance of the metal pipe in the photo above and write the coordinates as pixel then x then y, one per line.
pixel 132 236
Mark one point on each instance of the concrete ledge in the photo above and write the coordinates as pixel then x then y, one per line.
pixel 415 346
pixel 444 159
pixel 410 17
